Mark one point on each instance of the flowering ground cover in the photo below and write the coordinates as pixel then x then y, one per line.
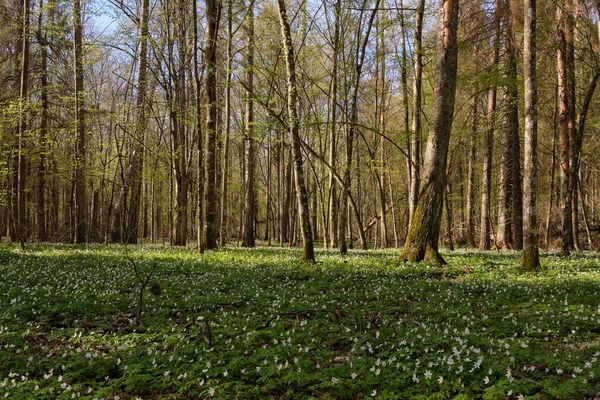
pixel 257 324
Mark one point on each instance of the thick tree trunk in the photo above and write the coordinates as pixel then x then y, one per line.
pixel 530 256
pixel 308 254
pixel 423 235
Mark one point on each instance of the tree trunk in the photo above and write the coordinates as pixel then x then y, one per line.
pixel 512 99
pixel 471 176
pixel 564 36
pixel 416 116
pixel 225 173
pixel 248 233
pixel 351 136
pixel 530 256
pixel 308 254
pixel 210 198
pixel 19 213
pixel 423 235
pixel 42 232
pixel 486 185
pixel 333 199
pixel 80 214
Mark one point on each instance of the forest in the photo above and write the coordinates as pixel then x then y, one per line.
pixel 299 199
pixel 188 123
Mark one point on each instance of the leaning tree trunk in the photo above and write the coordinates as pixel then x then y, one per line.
pixel 531 256
pixel 423 235
pixel 308 253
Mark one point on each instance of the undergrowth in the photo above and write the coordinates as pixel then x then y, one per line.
pixel 253 324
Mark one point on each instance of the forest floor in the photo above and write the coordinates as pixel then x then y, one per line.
pixel 257 324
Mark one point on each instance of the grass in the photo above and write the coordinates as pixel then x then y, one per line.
pixel 257 324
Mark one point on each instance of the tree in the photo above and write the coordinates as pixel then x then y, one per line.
pixel 566 120
pixel 423 235
pixel 248 231
pixel 210 199
pixel 131 192
pixel 530 256
pixel 80 209
pixel 415 162
pixel 484 238
pixel 308 254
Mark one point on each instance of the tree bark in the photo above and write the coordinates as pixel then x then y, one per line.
pixel 80 208
pixel 486 184
pixel 308 254
pixel 225 173
pixel 350 138
pixel 210 198
pixel 333 198
pixel 530 255
pixel 471 176
pixel 564 36
pixel 248 233
pixel 416 116
pixel 42 232
pixel 423 235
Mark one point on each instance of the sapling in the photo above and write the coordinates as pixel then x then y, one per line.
pixel 143 283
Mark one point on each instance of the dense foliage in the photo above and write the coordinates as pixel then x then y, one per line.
pixel 257 324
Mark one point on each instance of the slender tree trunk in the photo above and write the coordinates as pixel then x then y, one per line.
pixel 199 137
pixel 333 200
pixel 486 185
pixel 512 99
pixel 80 233
pixel 449 217
pixel 308 254
pixel 225 173
pixel 131 191
pixel 41 186
pixel 552 179
pixel 564 36
pixel 210 199
pixel 530 256
pixel 471 176
pixel 360 56
pixel 416 116
pixel 423 235
pixel 248 233
pixel 382 126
